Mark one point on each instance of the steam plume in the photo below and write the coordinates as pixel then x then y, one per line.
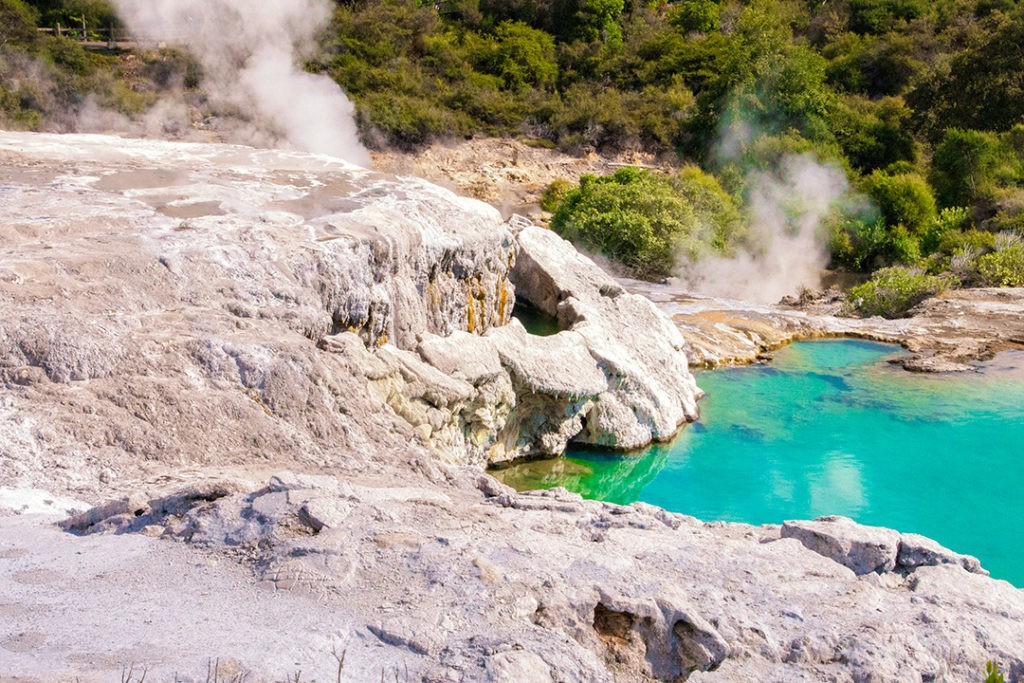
pixel 250 53
pixel 785 249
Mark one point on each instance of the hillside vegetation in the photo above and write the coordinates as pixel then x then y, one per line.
pixel 51 82
pixel 920 103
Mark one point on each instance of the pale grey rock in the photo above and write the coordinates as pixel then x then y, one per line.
pixel 918 551
pixel 558 365
pixel 463 355
pixel 518 666
pixel 255 311
pixel 292 481
pixel 453 586
pixel 492 488
pixel 861 548
pixel 648 391
pixel 206 367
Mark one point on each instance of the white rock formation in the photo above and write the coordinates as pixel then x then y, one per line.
pixel 179 323
pixel 429 573
pixel 233 274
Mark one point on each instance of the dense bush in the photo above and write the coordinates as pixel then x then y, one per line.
pixel 892 291
pixel 1004 268
pixel 873 134
pixel 554 194
pixel 645 220
pixel 17 24
pixel 904 199
pixel 72 13
pixel 46 80
pixel 965 167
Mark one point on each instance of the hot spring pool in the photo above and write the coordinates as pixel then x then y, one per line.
pixel 831 428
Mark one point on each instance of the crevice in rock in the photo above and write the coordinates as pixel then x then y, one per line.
pixel 618 632
pixel 699 649
pixel 536 321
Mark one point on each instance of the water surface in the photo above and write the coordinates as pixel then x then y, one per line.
pixel 832 428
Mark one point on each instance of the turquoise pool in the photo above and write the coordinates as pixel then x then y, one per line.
pixel 832 428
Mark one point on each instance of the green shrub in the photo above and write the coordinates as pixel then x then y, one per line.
pixel 633 217
pixel 863 245
pixel 964 167
pixel 953 241
pixel 695 15
pixel 950 220
pixel 644 220
pixel 904 199
pixel 879 16
pixel 617 119
pixel 713 206
pixel 554 194
pixel 893 291
pixel 873 134
pixel 993 674
pixel 17 24
pixel 408 121
pixel 857 243
pixel 1003 268
pixel 523 57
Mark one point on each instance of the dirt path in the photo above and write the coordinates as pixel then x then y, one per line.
pixel 504 172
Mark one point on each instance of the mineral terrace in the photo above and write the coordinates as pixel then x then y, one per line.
pixel 248 399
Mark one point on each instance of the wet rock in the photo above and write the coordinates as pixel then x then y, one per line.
pixel 861 548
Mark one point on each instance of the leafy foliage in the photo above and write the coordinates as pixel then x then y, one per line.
pixel 904 199
pixel 892 291
pixel 922 103
pixel 993 674
pixel 45 80
pixel 644 219
pixel 1004 268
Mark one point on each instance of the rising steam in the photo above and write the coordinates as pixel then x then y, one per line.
pixel 250 53
pixel 785 250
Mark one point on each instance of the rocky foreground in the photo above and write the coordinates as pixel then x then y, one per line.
pixel 259 390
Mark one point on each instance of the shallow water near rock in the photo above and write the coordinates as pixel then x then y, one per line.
pixel 829 427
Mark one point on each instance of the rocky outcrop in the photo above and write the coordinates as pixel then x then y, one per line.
pixel 452 576
pixel 306 298
pixel 649 391
pixel 866 549
pixel 863 549
pixel 947 333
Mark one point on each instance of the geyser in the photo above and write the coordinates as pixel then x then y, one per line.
pixel 251 54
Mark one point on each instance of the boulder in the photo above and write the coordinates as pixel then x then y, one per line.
pixel 863 549
pixel 919 551
pixel 649 391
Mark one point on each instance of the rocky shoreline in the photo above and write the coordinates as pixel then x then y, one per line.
pixel 247 398
pixel 947 333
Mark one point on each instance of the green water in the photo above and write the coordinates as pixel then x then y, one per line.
pixel 831 428
pixel 535 321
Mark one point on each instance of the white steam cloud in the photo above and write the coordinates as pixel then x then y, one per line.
pixel 251 53
pixel 785 249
